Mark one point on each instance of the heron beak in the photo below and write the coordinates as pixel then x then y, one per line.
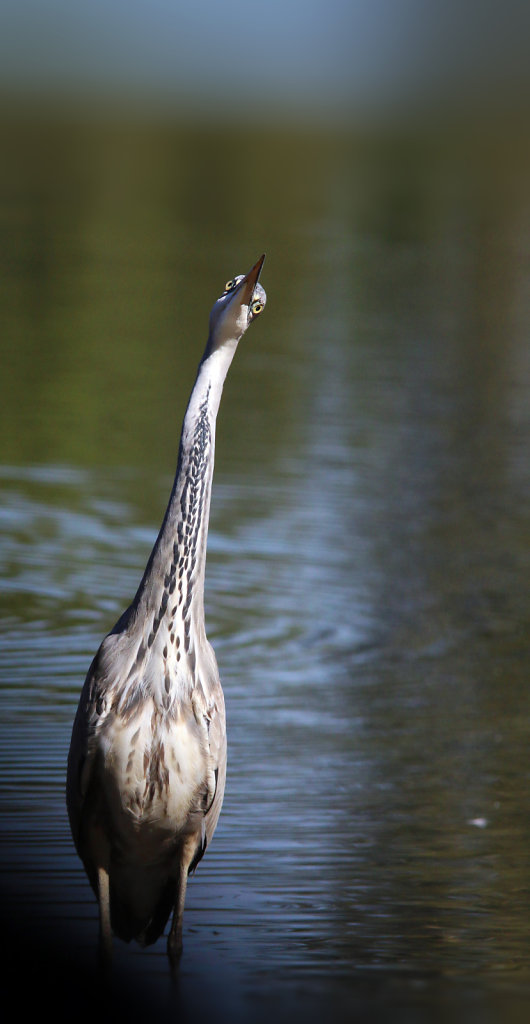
pixel 245 288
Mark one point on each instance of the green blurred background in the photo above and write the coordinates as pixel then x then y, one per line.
pixel 147 149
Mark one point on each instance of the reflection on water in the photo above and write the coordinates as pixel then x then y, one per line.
pixel 368 559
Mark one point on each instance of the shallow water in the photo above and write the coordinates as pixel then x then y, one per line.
pixel 367 578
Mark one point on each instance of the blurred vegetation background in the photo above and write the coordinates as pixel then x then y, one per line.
pixel 146 148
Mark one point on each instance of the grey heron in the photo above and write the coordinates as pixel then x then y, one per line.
pixel 147 761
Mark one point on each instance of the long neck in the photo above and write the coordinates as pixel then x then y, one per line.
pixel 173 582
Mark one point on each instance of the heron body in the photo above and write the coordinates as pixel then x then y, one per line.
pixel 147 761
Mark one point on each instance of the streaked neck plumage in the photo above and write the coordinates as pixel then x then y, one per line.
pixel 172 587
pixel 160 640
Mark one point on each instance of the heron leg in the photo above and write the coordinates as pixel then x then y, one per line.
pixel 105 932
pixel 174 942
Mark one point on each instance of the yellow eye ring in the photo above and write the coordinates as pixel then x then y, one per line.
pixel 229 285
pixel 257 307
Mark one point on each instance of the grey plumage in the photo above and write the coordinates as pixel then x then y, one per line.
pixel 147 762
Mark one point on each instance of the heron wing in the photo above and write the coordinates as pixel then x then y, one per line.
pixel 91 712
pixel 217 742
pixel 209 710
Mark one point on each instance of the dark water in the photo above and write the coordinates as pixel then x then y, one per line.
pixel 367 580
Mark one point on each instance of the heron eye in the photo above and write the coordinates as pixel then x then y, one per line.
pixel 229 285
pixel 257 307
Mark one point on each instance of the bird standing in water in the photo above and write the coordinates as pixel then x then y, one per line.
pixel 147 761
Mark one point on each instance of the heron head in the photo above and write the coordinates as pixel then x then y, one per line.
pixel 243 300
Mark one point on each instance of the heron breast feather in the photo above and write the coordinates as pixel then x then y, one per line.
pixel 156 778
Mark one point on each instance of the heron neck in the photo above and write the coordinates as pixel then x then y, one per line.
pixel 173 582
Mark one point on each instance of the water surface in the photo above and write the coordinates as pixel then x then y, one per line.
pixel 367 590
